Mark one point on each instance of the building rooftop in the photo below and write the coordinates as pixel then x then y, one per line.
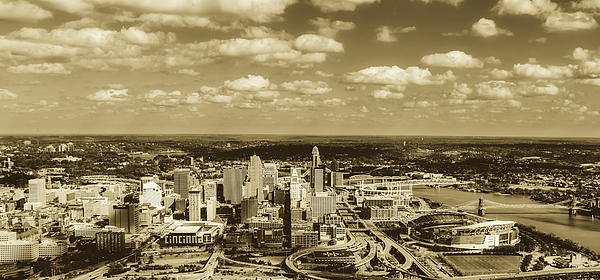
pixel 485 224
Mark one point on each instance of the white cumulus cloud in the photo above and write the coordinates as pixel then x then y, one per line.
pixel 340 5
pixel 386 94
pixel 109 95
pixel 307 87
pixel 453 59
pixel 189 72
pixel 22 11
pixel 394 75
pixel 250 83
pixel 487 28
pixel 387 34
pixel 525 7
pixel 316 43
pixel 329 28
pixel 496 90
pixel 43 68
pixel 561 21
pixel 536 71
pixel 7 94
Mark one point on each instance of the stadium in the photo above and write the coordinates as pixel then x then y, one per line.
pixel 463 230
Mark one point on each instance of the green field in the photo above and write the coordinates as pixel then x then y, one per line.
pixel 484 264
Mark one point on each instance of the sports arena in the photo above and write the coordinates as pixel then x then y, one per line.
pixel 463 230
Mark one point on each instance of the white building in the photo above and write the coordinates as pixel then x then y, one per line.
pixel 152 194
pixel 195 204
pixel 18 250
pixel 211 208
pixel 50 249
pixel 37 191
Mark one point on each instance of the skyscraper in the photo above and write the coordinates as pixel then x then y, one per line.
pixel 125 216
pixel 287 219
pixel 249 208
pixel 182 182
pixel 316 161
pixel 270 176
pixel 195 204
pixel 211 208
pixel 322 203
pixel 295 184
pixel 233 179
pixel 151 194
pixel 318 180
pixel 255 177
pixel 210 190
pixel 37 191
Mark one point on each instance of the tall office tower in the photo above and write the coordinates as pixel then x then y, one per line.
pixel 195 204
pixel 318 180
pixel 322 203
pixel 233 179
pixel 295 185
pixel 255 177
pixel 270 176
pixel 125 216
pixel 210 190
pixel 151 194
pixel 37 191
pixel 335 165
pixel 188 161
pixel 182 182
pixel 249 208
pixel 337 179
pixel 316 161
pixel 70 147
pixel 287 219
pixel 211 208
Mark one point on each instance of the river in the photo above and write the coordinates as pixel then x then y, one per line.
pixel 578 228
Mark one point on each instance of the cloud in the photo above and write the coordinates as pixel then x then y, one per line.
pixel 534 90
pixel 386 94
pixel 541 40
pixel 587 4
pixel 255 10
pixel 538 8
pixel 394 75
pixel 109 95
pixel 453 59
pixel 189 72
pixel 7 94
pixel 364 109
pixel 157 93
pixel 324 74
pixel 497 74
pixel 483 28
pixel 22 11
pixel 492 60
pixel 70 6
pixel 116 86
pixel 251 83
pixel 387 34
pixel 487 28
pixel 461 91
pixel 560 22
pixel 495 90
pixel 340 5
pixel 157 20
pixel 261 32
pixel 535 71
pixel 455 3
pixel 307 87
pixel 44 68
pixel 329 28
pixel 316 43
pixel 80 24
pixel 589 61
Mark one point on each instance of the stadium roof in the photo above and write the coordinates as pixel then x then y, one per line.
pixel 485 224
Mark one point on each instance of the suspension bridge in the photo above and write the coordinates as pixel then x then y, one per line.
pixel 481 205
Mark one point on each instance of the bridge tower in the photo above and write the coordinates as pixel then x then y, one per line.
pixel 572 206
pixel 481 207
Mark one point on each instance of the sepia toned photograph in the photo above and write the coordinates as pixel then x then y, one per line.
pixel 299 139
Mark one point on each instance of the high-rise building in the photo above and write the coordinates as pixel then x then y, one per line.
pixel 70 147
pixel 249 208
pixel 316 162
pixel 295 185
pixel 195 204
pixel 337 179
pixel 111 240
pixel 287 219
pixel 182 182
pixel 210 190
pixel 255 177
pixel 322 203
pixel 211 208
pixel 318 180
pixel 151 194
pixel 270 176
pixel 233 180
pixel 125 216
pixel 37 191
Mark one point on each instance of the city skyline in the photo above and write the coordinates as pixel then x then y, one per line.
pixel 421 67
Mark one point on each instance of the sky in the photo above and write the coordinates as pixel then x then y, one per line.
pixel 345 67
